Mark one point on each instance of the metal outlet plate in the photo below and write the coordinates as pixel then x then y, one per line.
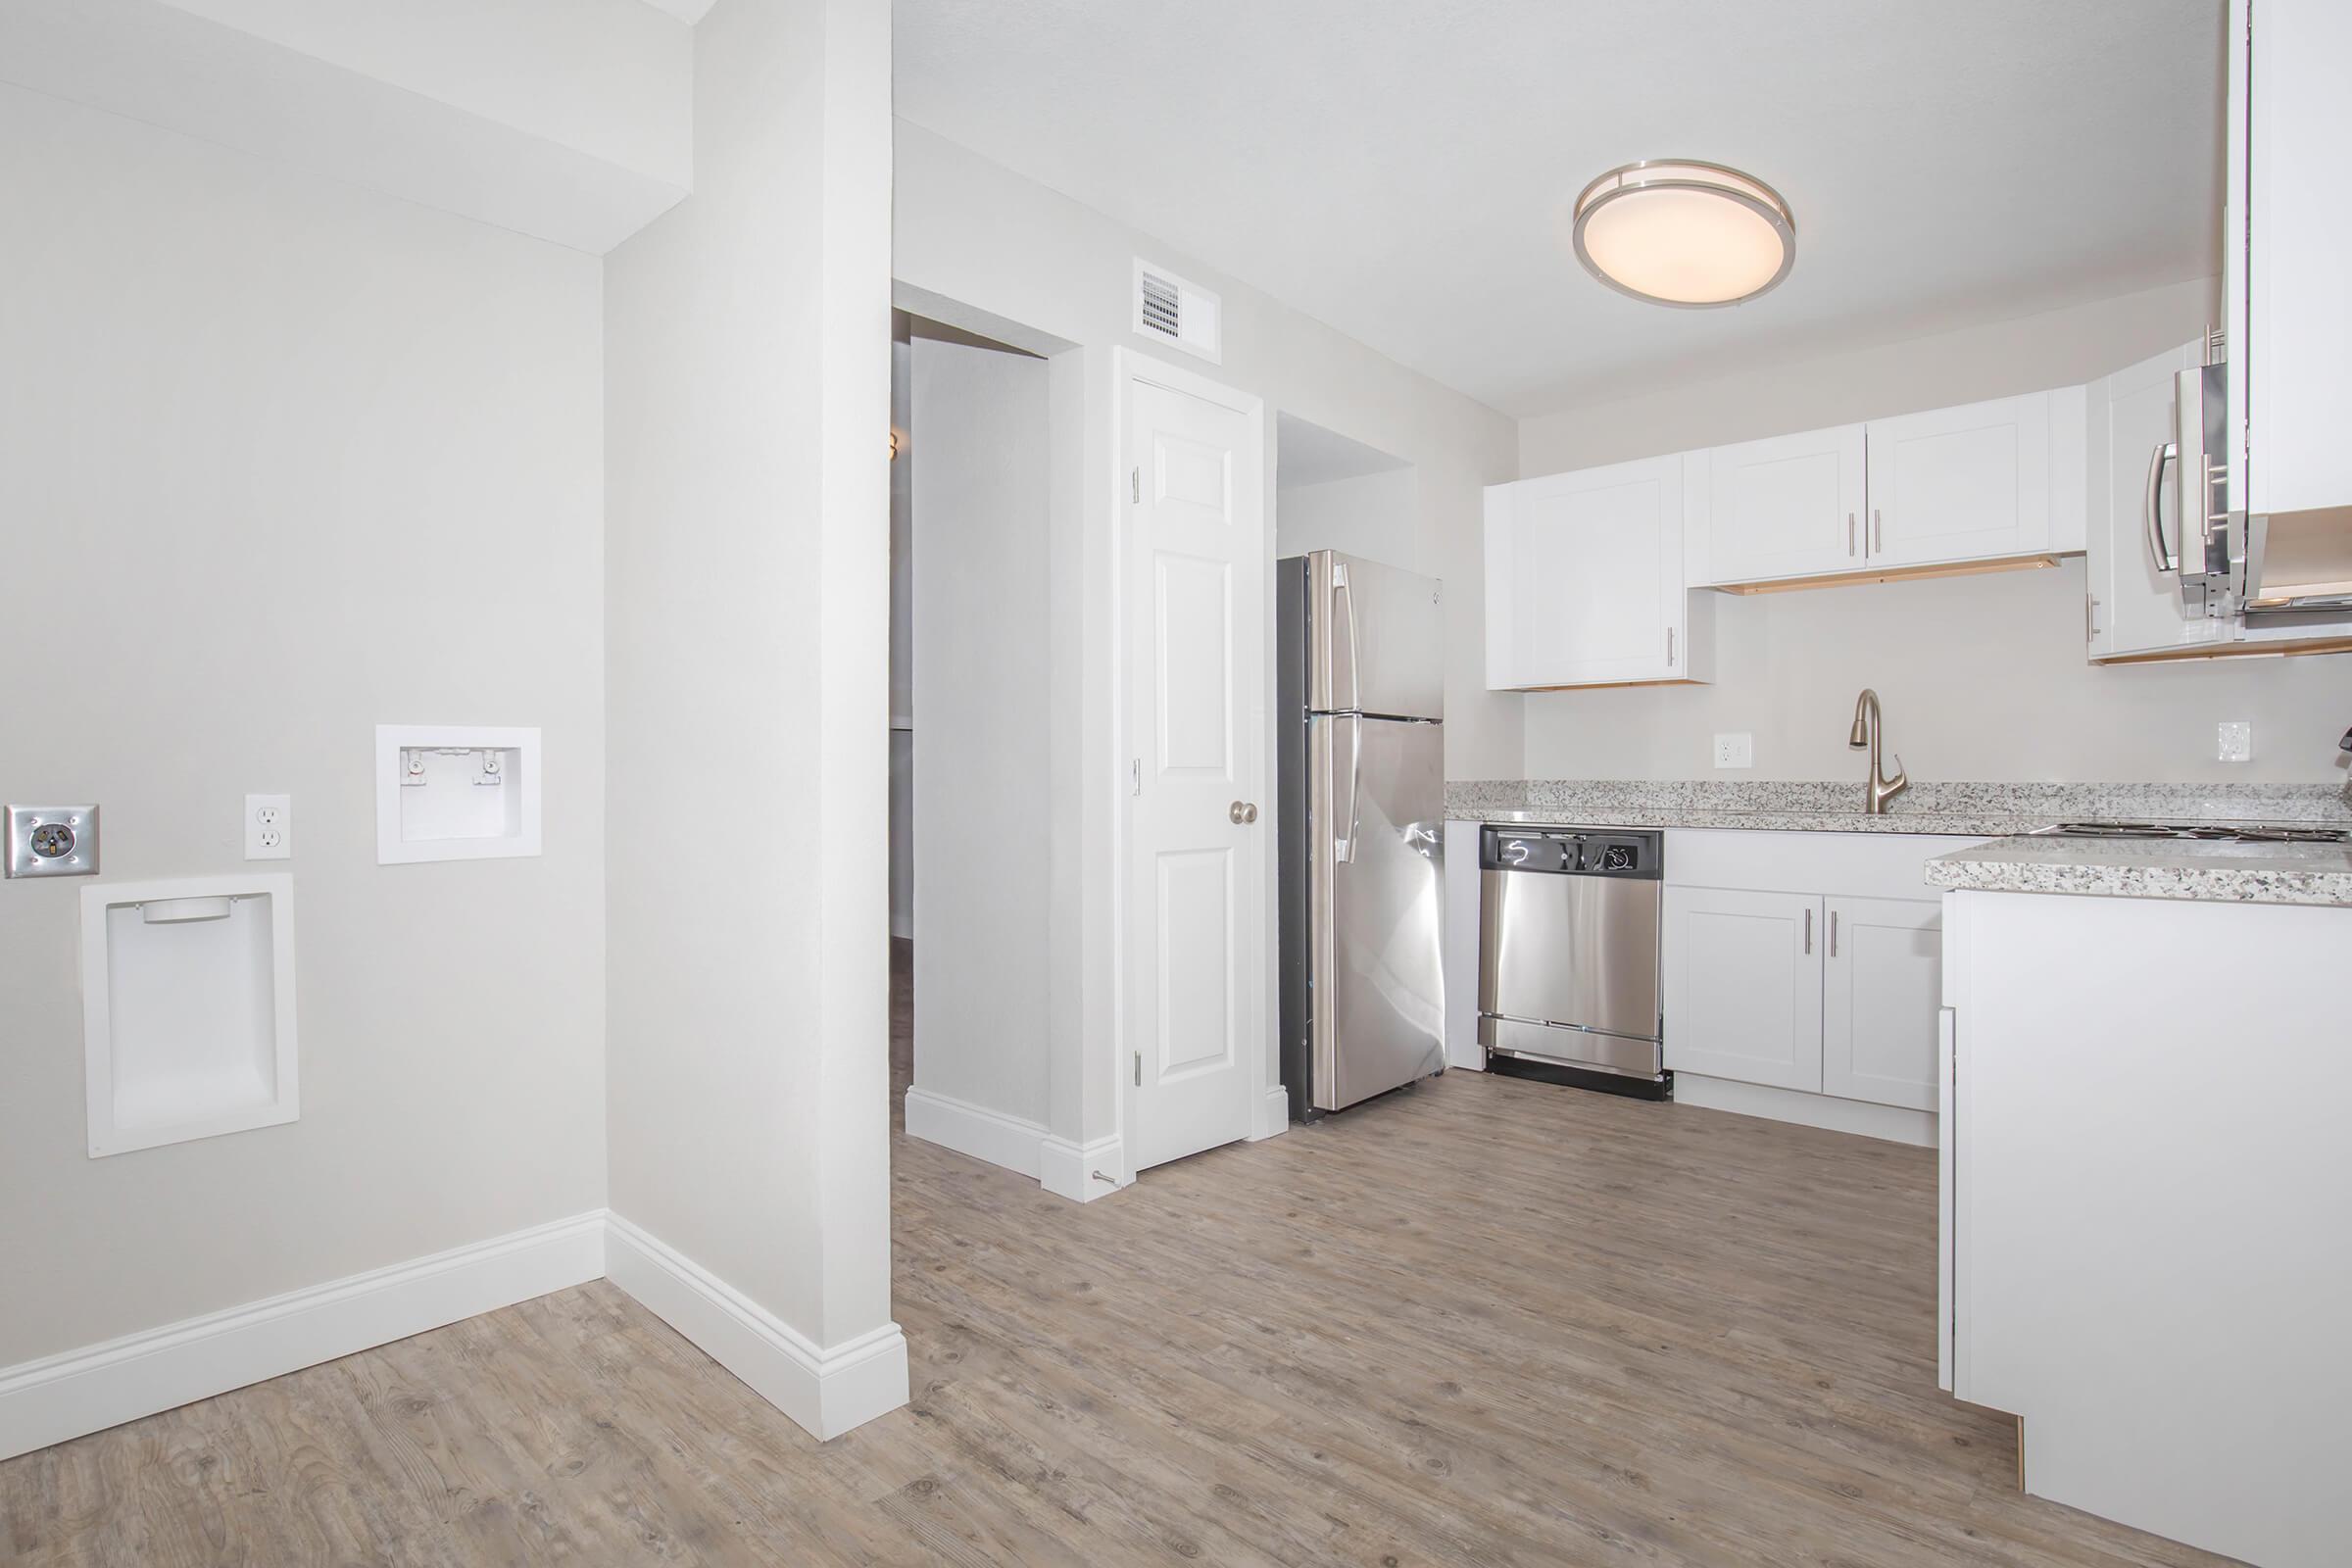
pixel 52 841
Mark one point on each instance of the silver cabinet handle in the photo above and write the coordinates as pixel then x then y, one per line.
pixel 1849 533
pixel 2152 507
pixel 1242 812
pixel 1808 930
pixel 2090 616
pixel 1878 532
pixel 1670 648
pixel 1833 933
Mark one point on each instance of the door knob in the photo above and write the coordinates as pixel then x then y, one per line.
pixel 1242 812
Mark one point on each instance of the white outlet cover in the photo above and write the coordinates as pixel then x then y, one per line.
pixel 2235 741
pixel 269 828
pixel 1736 751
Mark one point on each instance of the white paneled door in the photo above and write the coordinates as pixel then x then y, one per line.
pixel 1195 927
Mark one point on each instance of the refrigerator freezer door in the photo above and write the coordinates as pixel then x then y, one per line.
pixel 1376 639
pixel 1378 794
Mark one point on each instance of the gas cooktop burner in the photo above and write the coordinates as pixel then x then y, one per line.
pixel 2202 832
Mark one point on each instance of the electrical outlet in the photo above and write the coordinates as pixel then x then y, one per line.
pixel 269 828
pixel 1734 751
pixel 2236 742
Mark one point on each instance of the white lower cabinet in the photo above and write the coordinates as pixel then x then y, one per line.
pixel 1743 992
pixel 1882 991
pixel 1821 993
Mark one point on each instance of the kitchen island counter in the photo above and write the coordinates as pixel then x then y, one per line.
pixel 2159 868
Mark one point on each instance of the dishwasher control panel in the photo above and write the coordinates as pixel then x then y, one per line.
pixel 1571 850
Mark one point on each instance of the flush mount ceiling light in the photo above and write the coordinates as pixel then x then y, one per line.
pixel 1675 231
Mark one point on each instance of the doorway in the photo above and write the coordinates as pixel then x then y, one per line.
pixel 969 815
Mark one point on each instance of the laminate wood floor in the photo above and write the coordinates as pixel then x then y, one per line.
pixel 1483 1321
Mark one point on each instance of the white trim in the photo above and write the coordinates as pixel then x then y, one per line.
pixel 1273 1115
pixel 1069 1170
pixel 89 1390
pixel 969 1129
pixel 828 1391
pixel 1131 365
pixel 1897 1124
pixel 689 12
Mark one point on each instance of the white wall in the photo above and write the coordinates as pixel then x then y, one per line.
pixel 981 832
pixel 305 459
pixel 748 336
pixel 1983 678
pixel 989 251
pixel 1375 515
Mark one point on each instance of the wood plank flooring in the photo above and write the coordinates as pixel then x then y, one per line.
pixel 1480 1322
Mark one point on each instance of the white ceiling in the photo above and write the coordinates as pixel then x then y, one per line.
pixel 1401 169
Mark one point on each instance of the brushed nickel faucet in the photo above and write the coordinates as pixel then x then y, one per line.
pixel 1870 725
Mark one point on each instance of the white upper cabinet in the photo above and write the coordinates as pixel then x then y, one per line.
pixel 1984 481
pixel 1788 507
pixel 1971 483
pixel 1584 580
pixel 2133 609
pixel 2289 231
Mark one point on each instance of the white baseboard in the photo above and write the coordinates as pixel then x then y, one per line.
pixel 1273 1115
pixel 80 1391
pixel 1897 1124
pixel 827 1391
pixel 1077 1172
pixel 975 1130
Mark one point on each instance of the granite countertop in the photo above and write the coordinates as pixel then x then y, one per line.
pixel 2160 868
pixel 1952 810
pixel 1853 820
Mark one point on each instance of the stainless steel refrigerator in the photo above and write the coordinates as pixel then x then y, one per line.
pixel 1359 676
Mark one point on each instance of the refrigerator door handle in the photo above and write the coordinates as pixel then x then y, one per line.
pixel 1341 594
pixel 1342 844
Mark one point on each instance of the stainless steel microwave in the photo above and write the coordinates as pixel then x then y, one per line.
pixel 2268 570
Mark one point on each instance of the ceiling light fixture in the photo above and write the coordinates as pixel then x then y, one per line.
pixel 1675 231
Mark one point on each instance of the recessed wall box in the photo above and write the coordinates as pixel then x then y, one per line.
pixel 188 1008
pixel 455 792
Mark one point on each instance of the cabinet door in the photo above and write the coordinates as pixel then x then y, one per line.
pixel 1584 577
pixel 1883 989
pixel 2135 602
pixel 1971 483
pixel 1743 986
pixel 2289 124
pixel 1788 507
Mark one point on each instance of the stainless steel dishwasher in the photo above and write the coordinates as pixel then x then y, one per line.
pixel 1568 956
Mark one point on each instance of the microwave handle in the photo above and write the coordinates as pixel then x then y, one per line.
pixel 2152 507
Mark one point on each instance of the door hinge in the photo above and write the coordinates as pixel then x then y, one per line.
pixel 1135 775
pixel 1138 1069
pixel 1135 485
